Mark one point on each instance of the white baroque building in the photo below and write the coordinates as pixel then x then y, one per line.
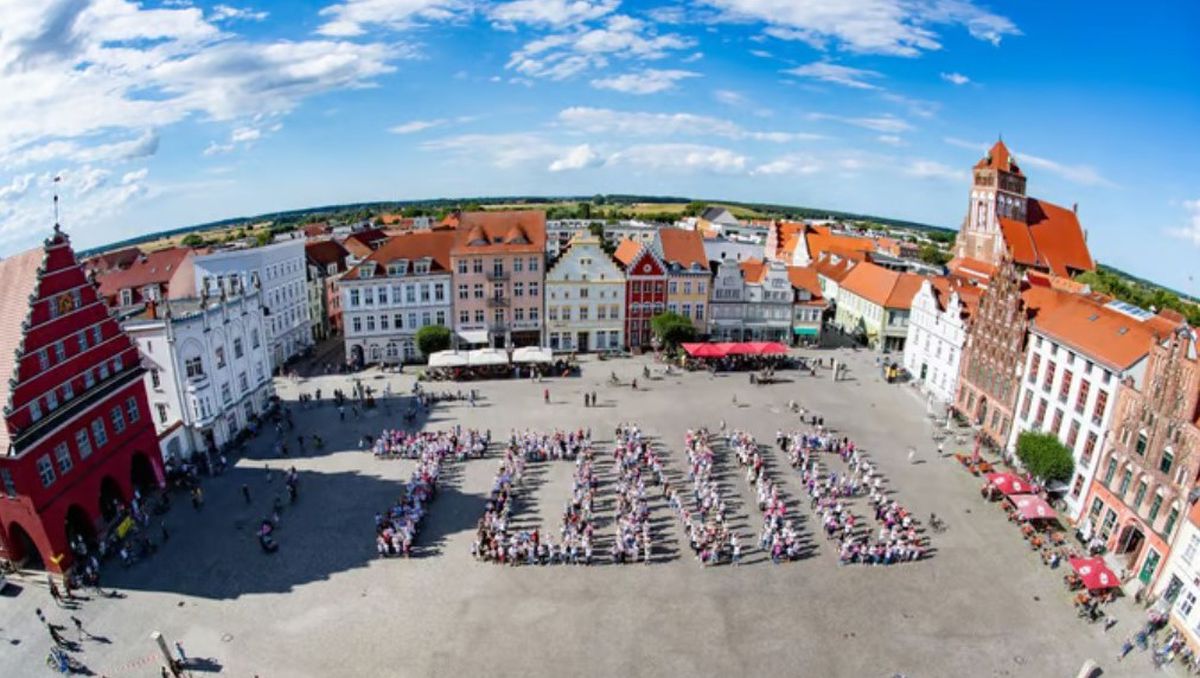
pixel 585 299
pixel 403 286
pixel 208 367
pixel 281 270
pixel 937 331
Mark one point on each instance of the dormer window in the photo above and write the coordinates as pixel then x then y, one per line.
pixel 398 268
pixel 421 267
pixel 126 297
pixel 368 269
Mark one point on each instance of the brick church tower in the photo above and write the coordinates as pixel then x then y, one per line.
pixel 997 191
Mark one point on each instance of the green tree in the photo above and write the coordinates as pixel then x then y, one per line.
pixel 584 210
pixel 192 240
pixel 933 255
pixel 672 329
pixel 1044 456
pixel 263 237
pixel 433 338
pixel 693 209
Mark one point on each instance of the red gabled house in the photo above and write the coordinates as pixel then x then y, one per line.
pixel 77 436
pixel 645 290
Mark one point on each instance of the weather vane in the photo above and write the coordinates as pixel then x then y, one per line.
pixel 57 180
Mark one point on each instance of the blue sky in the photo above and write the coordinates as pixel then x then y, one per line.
pixel 161 114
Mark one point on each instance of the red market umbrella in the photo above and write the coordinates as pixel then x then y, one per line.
pixel 726 347
pixel 772 348
pixel 704 350
pixel 1009 483
pixel 1032 507
pixel 741 349
pixel 1095 574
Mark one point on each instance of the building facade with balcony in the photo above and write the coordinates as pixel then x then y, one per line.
pixel 500 259
pixel 208 368
pixel 282 272
pixel 645 290
pixel 1149 468
pixel 1080 350
pixel 585 299
pixel 399 288
pixel 77 437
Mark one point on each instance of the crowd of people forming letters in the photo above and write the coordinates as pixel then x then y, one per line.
pixel 396 528
pixel 638 472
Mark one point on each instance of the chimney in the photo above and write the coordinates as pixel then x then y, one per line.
pixel 1075 208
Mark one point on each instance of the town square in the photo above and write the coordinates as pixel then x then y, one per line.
pixel 980 603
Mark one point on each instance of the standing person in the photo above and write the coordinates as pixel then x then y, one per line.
pixel 79 628
pixel 246 492
pixel 56 636
pixel 54 592
pixel 182 655
pixel 546 396
pixel 41 616
pixel 912 454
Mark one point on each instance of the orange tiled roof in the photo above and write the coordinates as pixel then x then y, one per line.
pixel 835 271
pixel 753 270
pixel 805 277
pixel 1052 238
pixel 627 251
pixel 325 252
pixel 682 247
pixel 434 245
pixel 944 286
pixel 516 231
pixel 115 259
pixel 999 158
pixel 971 269
pixel 882 286
pixel 1090 326
pixel 821 239
pixel 153 268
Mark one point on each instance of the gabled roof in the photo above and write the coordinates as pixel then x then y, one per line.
pixel 717 214
pixel 1096 327
pixel 434 245
pixel 315 230
pixel 627 251
pixel 968 294
pixel 325 252
pixel 362 243
pixel 836 271
pixel 683 248
pixel 805 277
pixel 152 268
pixel 822 239
pixel 1050 238
pixel 753 270
pixel 108 261
pixel 999 158
pixel 882 286
pixel 516 231
pixel 18 279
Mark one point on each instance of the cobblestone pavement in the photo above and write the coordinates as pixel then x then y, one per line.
pixel 982 605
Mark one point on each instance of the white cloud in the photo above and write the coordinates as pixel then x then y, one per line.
pixel 556 13
pixel 1190 231
pixel 629 123
pixel 680 157
pixel 729 97
pixel 244 136
pixel 929 169
pixel 894 27
pixel 884 124
pixel 761 53
pixel 559 56
pixel 134 176
pixel 692 58
pixel 789 164
pixel 955 78
pixel 837 74
pixel 17 187
pixel 416 126
pixel 918 107
pixel 890 140
pixel 647 81
pixel 228 13
pixel 351 18
pixel 503 151
pixel 578 157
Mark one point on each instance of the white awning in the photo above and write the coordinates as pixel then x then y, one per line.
pixel 473 336
pixel 533 354
pixel 448 359
pixel 487 356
